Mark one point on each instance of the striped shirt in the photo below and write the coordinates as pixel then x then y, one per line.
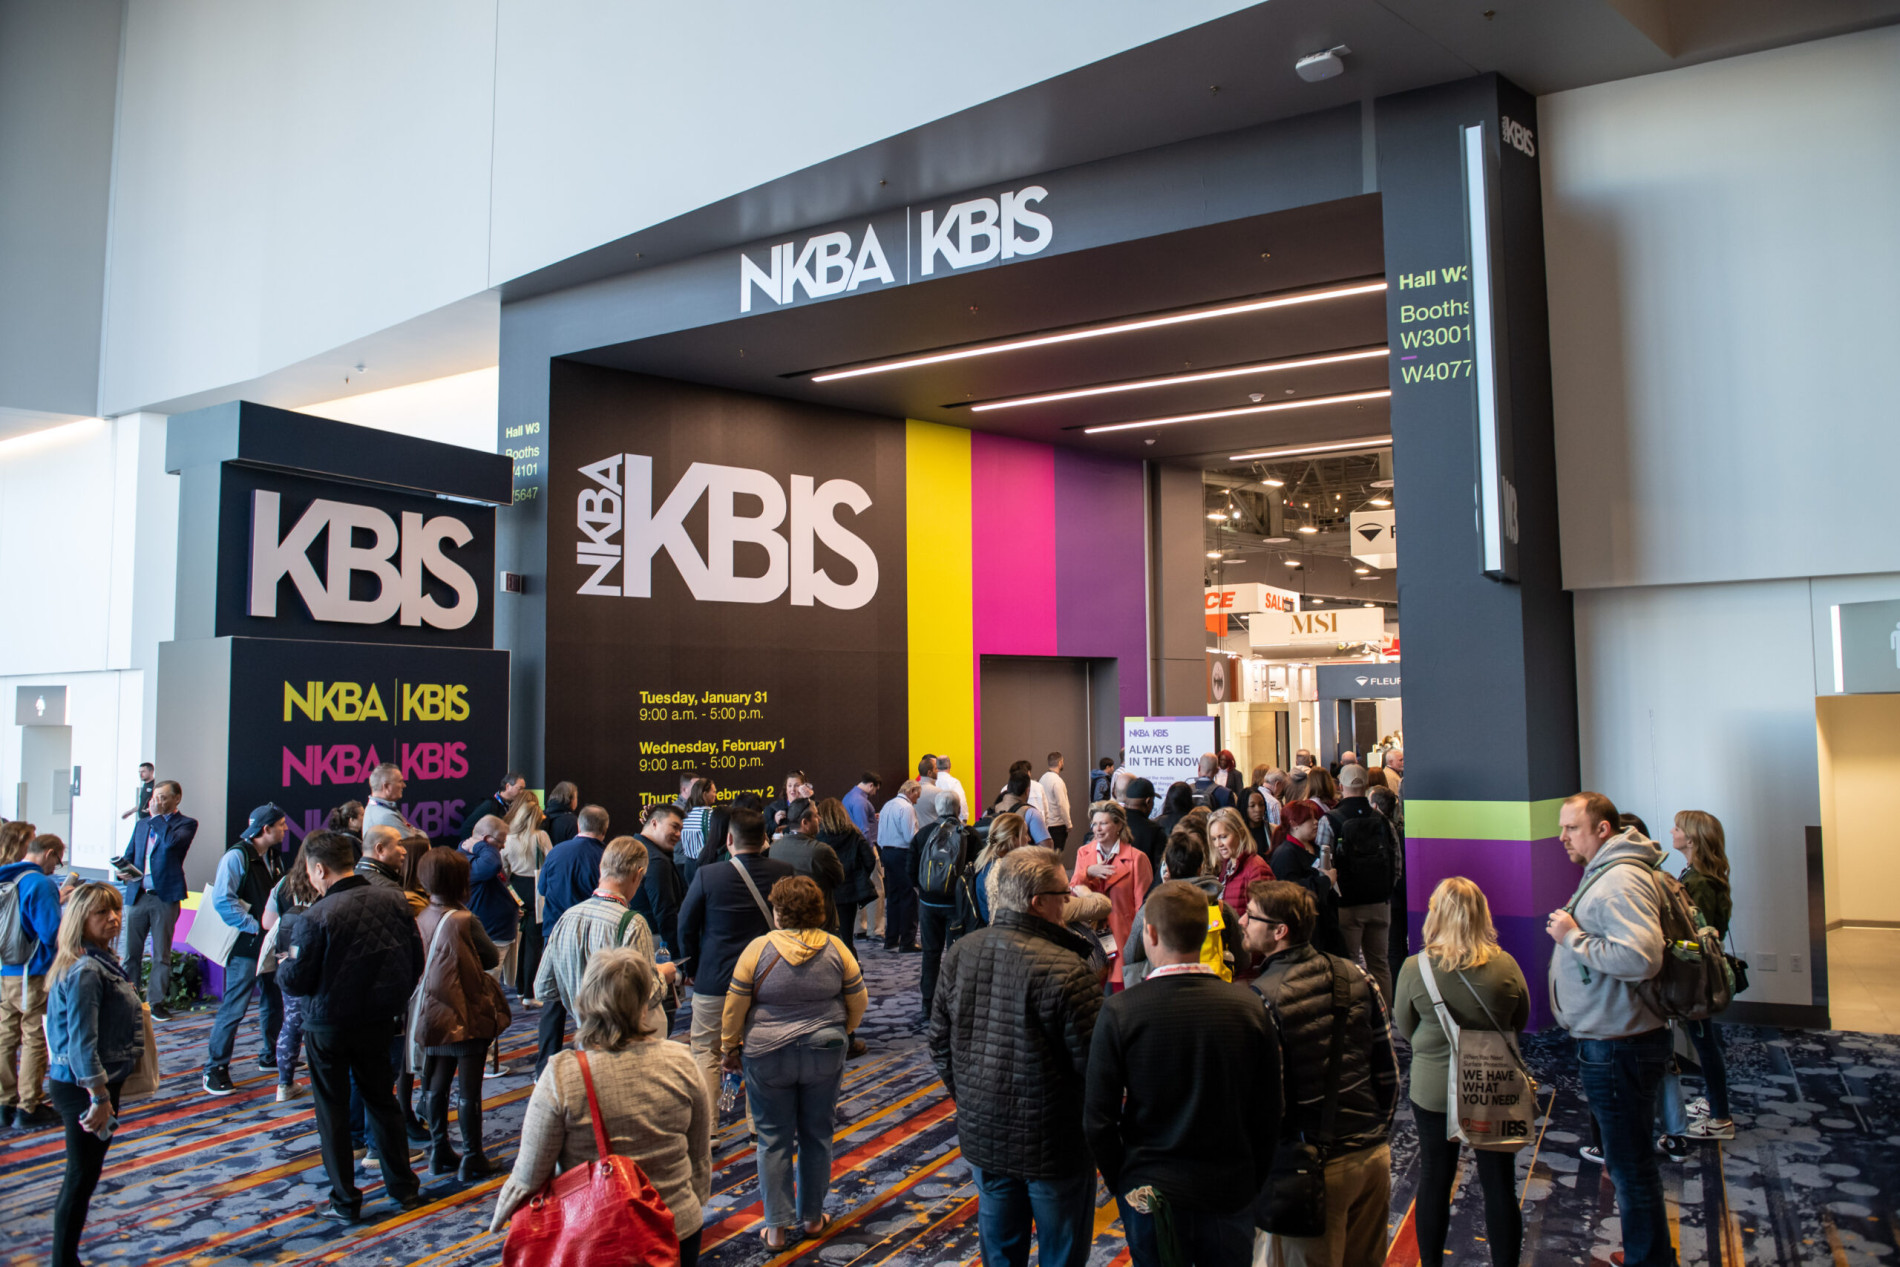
pixel 693 831
pixel 589 926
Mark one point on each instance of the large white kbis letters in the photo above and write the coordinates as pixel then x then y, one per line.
pixel 421 541
pixel 621 506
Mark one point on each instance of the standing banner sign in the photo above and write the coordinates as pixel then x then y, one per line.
pixel 1166 750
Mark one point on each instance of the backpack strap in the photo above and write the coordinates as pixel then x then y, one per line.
pixel 620 932
pixel 757 896
pixel 1591 877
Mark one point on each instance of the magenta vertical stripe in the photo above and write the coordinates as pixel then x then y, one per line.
pixel 1101 604
pixel 1012 546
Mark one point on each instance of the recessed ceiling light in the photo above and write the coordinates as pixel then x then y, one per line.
pixel 1368 604
pixel 1243 412
pixel 1293 563
pixel 1307 528
pixel 1213 554
pixel 1382 501
pixel 1096 332
pixel 1341 446
pixel 1363 571
pixel 1316 601
pixel 1275 541
pixel 1175 380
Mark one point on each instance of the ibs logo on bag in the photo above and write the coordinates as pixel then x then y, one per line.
pixel 620 532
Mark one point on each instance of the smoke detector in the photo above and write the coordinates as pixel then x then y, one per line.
pixel 1323 65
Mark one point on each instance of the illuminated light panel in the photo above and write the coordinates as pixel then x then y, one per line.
pixel 1176 380
pixel 1308 528
pixel 1340 446
pixel 1096 332
pixel 1217 414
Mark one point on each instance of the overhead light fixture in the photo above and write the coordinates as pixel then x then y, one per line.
pixel 1176 380
pixel 1363 571
pixel 1339 446
pixel 1213 554
pixel 1233 514
pixel 1274 483
pixel 1382 501
pixel 1368 604
pixel 1307 528
pixel 1215 514
pixel 1243 412
pixel 1292 563
pixel 1316 601
pixel 1096 332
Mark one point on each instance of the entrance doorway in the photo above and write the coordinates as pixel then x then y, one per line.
pixel 44 794
pixel 1034 705
pixel 1860 776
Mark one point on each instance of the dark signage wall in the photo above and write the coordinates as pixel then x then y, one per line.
pixel 310 720
pixel 726 590
pixel 303 558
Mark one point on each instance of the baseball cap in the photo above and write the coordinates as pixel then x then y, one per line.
pixel 261 817
pixel 1137 789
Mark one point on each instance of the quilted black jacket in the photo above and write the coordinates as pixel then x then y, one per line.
pixel 1010 1028
pixel 355 956
pixel 1298 986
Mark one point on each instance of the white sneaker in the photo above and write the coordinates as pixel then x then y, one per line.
pixel 1591 1153
pixel 1698 1107
pixel 1712 1128
pixel 287 1093
pixel 503 1072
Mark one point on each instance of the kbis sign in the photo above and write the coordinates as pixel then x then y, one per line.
pixel 620 532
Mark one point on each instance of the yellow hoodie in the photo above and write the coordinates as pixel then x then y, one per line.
pixel 792 1016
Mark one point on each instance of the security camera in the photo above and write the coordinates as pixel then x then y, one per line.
pixel 1323 65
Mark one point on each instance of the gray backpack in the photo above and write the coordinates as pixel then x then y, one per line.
pixel 17 942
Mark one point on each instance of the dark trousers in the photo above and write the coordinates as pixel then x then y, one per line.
pixel 1621 1077
pixel 1059 841
pixel 338 1056
pixel 240 978
pixel 689 1250
pixel 1062 1211
pixel 1203 1239
pixel 85 1160
pixel 359 1119
pixel 149 917
pixel 552 1032
pixel 1708 1050
pixel 1438 1171
pixel 528 953
pixel 933 925
pixel 900 899
pixel 847 926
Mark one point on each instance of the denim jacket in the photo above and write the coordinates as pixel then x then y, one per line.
pixel 92 1023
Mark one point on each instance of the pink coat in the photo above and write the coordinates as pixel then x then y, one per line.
pixel 1126 886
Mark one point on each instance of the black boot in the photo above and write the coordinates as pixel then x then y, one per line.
pixel 442 1156
pixel 475 1163
pixel 417 1130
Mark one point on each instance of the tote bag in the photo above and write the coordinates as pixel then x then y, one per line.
pixel 1490 1096
pixel 142 1082
pixel 606 1212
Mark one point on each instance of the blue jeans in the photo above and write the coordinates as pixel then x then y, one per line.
pixel 1622 1077
pixel 240 975
pixel 1062 1210
pixel 793 1092
pixel 1206 1239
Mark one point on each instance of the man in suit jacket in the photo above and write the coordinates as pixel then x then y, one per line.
pixel 718 920
pixel 157 848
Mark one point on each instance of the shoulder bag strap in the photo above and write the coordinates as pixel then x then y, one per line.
pixel 601 1146
pixel 620 933
pixel 1511 1038
pixel 756 895
pixel 1445 1022
pixel 1342 1002
pixel 1570 907
pixel 766 971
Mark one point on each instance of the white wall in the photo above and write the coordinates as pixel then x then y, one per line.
pixel 1702 697
pixel 103 710
pixel 293 177
pixel 1723 263
pixel 459 409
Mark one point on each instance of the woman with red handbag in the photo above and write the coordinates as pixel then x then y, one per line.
pixel 627 1122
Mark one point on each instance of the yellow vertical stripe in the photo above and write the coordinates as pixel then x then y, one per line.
pixel 941 641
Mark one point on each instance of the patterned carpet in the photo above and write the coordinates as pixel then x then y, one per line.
pixel 1812 1178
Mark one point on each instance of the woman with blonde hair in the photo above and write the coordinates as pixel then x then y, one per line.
pixel 1483 989
pixel 94 1036
pixel 1236 856
pixel 1698 837
pixel 653 1105
pixel 1008 833
pixel 522 854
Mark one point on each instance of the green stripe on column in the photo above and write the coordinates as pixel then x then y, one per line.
pixel 1482 820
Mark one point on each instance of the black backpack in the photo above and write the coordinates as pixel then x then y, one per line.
pixel 1365 856
pixel 944 866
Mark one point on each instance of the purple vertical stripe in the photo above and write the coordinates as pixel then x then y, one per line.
pixel 1101 605
pixel 1012 546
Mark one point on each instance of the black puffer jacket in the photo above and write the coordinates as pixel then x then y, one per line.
pixel 1365 853
pixel 860 865
pixel 355 956
pixel 1010 1028
pixel 1298 985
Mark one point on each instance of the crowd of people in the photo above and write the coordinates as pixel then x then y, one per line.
pixel 1193 999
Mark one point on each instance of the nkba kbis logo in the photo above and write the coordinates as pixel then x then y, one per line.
pixel 620 532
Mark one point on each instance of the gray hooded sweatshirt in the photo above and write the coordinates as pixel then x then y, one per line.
pixel 1617 942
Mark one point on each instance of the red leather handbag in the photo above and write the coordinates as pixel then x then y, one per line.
pixel 604 1214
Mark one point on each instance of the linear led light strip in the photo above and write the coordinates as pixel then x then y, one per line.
pixel 1175 380
pixel 1478 226
pixel 1096 332
pixel 1338 446
pixel 1275 407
